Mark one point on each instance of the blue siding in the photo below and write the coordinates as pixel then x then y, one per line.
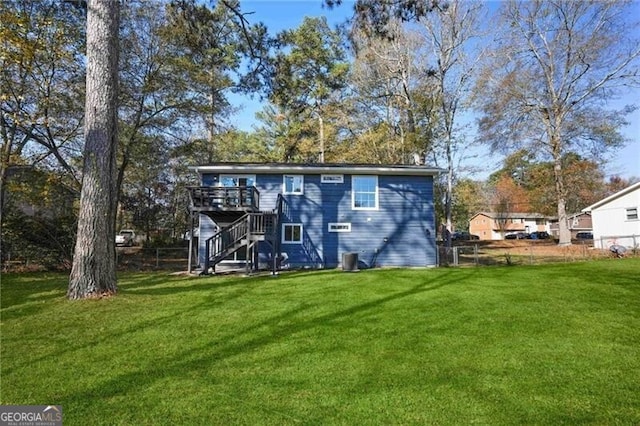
pixel 401 232
pixel 207 229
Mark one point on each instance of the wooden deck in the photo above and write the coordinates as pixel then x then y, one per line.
pixel 224 199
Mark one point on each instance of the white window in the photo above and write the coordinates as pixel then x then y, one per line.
pixel 364 192
pixel 293 184
pixel 340 227
pixel 332 178
pixel 632 213
pixel 291 233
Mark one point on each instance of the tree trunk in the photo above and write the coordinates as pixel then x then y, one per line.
pixel 449 194
pixel 563 225
pixel 93 273
pixel 5 158
pixel 321 134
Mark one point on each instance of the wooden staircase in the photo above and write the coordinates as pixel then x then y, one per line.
pixel 236 210
pixel 246 232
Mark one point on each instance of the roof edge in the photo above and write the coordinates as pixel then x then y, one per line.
pixel 276 168
pixel 612 197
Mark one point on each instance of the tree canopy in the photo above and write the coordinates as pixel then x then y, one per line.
pixel 397 84
pixel 547 83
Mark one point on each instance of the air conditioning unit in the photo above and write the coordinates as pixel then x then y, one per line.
pixel 350 262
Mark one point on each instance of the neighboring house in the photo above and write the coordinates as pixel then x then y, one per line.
pixel 616 219
pixel 295 215
pixel 578 222
pixel 495 226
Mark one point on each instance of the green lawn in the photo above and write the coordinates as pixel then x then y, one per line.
pixel 549 345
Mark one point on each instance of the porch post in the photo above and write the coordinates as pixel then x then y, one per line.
pixel 248 237
pixel 189 266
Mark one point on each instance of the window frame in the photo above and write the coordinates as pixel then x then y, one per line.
pixel 284 233
pixel 631 211
pixel 376 193
pixel 284 184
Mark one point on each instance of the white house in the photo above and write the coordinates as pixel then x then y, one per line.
pixel 616 219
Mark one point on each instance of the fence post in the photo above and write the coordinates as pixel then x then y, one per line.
pixel 157 258
pixel 475 254
pixel 531 254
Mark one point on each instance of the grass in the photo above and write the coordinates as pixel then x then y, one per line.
pixel 553 344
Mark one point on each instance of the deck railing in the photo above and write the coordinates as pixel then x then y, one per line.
pixel 262 223
pixel 225 197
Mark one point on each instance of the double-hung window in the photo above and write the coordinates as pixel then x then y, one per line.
pixel 364 192
pixel 293 184
pixel 292 233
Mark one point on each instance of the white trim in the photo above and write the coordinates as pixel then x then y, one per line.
pixel 339 227
pixel 274 169
pixel 284 184
pixel 284 225
pixel 334 178
pixel 353 193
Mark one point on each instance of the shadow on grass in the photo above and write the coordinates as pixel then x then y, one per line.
pixel 276 328
pixel 29 293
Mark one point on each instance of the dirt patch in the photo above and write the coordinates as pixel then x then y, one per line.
pixel 509 252
pixel 545 247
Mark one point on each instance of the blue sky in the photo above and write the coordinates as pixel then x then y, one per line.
pixel 284 14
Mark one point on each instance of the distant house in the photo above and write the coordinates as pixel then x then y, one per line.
pixel 495 226
pixel 616 218
pixel 578 222
pixel 295 216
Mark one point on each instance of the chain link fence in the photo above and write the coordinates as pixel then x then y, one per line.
pixel 521 253
pixel 127 259
pixel 150 259
pixel 527 252
pixel 631 242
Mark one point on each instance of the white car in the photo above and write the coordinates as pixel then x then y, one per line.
pixel 126 237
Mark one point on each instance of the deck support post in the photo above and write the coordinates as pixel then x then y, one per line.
pixel 191 222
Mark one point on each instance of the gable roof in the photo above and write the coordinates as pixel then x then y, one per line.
pixel 510 215
pixel 610 198
pixel 318 168
pixel 555 220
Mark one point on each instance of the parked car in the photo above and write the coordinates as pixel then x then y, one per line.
pixel 126 237
pixel 516 236
pixel 539 235
pixel 463 236
pixel 584 236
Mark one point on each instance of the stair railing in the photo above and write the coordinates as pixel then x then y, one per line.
pixel 262 223
pixel 218 244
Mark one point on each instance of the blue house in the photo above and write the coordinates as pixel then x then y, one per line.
pixel 314 215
